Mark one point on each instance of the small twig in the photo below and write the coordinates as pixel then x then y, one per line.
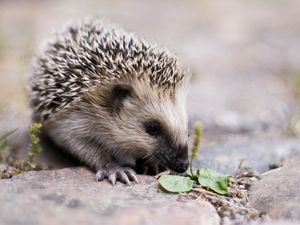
pixel 164 172
pixel 203 191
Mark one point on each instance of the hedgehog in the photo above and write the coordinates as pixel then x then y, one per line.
pixel 112 100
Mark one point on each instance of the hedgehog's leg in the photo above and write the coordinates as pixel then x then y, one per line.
pixel 73 134
pixel 98 157
pixel 116 173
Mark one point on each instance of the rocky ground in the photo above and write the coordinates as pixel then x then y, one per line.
pixel 244 56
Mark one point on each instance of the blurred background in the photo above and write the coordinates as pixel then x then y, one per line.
pixel 244 56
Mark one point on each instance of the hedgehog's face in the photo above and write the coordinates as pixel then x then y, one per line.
pixel 150 124
pixel 168 150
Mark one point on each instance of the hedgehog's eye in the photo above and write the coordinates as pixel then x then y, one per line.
pixel 153 128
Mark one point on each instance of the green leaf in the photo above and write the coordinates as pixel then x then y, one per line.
pixel 175 184
pixel 7 134
pixel 34 146
pixel 3 144
pixel 3 139
pixel 213 180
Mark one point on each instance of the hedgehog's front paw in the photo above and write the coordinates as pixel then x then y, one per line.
pixel 114 174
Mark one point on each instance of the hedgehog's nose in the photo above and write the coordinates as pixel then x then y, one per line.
pixel 181 166
pixel 182 161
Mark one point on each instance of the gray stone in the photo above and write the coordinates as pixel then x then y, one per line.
pixel 281 222
pixel 278 192
pixel 72 196
pixel 258 154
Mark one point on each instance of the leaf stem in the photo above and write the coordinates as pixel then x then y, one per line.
pixel 198 130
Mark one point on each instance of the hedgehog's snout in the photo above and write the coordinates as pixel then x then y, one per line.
pixel 180 162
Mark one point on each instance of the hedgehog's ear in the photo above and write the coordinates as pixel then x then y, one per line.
pixel 118 94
